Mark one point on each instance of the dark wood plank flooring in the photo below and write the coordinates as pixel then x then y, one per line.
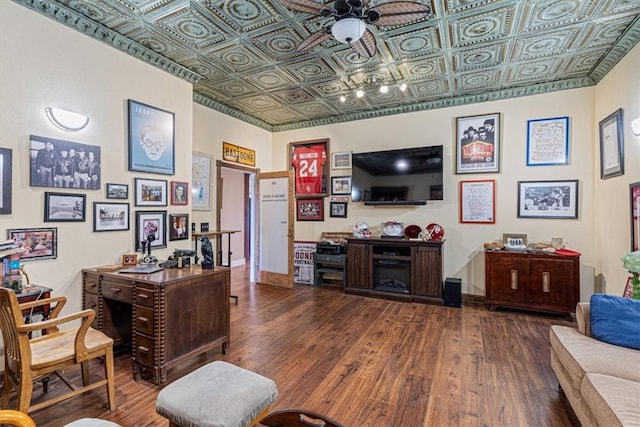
pixel 368 362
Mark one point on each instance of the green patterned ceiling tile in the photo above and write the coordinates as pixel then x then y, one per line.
pixel 489 55
pixel 537 70
pixel 309 69
pixel 314 109
pixel 226 89
pixel 429 89
pixel 585 62
pixel 279 44
pixel 188 25
pixel 113 16
pixel 545 14
pixel 544 44
pixel 424 69
pixel 330 88
pixel 260 102
pixel 280 115
pixel 477 80
pixel 605 33
pixel 351 103
pixel 270 79
pixel 482 27
pixel 292 96
pixel 244 16
pixel 238 57
pixel 415 44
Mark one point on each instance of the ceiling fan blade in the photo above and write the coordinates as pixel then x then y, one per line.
pixel 366 45
pixel 307 6
pixel 314 39
pixel 401 12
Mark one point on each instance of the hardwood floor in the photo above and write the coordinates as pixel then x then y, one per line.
pixel 368 362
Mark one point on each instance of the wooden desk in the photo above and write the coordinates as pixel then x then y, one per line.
pixel 167 318
pixel 218 235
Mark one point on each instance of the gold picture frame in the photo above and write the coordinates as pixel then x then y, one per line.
pixel 130 259
pixel 512 238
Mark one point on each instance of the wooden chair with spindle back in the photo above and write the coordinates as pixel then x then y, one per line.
pixel 28 358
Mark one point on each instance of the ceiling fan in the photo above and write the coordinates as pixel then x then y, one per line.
pixel 351 17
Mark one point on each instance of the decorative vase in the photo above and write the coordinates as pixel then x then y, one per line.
pixel 635 283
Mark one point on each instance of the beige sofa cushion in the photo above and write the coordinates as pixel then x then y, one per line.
pixel 580 354
pixel 613 401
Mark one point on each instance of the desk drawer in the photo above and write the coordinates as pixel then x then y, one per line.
pixel 334 259
pixel 91 286
pixel 144 350
pixel 144 296
pixel 117 291
pixel 144 320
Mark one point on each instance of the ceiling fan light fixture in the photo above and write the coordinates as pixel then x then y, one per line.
pixel 348 30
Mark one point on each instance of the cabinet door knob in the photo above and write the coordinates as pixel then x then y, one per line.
pixel 546 281
pixel 143 320
pixel 514 279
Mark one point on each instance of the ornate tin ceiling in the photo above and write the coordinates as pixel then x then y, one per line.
pixel 241 55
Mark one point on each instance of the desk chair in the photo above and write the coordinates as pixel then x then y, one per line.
pixel 55 350
pixel 15 418
pixel 297 418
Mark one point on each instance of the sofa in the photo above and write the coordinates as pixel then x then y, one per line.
pixel 600 380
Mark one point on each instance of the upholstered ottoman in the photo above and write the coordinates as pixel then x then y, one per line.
pixel 218 394
pixel 91 422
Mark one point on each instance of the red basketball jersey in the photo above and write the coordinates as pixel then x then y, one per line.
pixel 309 165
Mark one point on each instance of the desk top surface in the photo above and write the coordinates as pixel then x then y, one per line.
pixel 168 275
pixel 32 290
pixel 213 233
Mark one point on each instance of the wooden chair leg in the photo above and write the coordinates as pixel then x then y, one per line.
pixel 25 389
pixel 86 376
pixel 111 379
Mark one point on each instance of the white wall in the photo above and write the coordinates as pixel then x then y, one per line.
pixel 44 63
pixel 619 89
pixel 463 249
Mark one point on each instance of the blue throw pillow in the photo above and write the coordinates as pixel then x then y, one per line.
pixel 616 320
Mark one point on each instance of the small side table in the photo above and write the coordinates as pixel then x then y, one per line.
pixel 326 263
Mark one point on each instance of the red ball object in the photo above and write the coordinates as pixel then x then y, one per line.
pixel 434 231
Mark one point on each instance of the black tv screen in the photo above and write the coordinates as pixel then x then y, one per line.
pixel 402 176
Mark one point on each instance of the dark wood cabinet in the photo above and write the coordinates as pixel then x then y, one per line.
pixel 540 282
pixel 400 269
pixel 168 320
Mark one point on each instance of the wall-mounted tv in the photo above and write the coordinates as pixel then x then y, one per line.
pixel 408 176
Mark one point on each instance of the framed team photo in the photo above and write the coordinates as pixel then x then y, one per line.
pixel 310 209
pixel 309 160
pixel 64 207
pixel 150 192
pixel 478 144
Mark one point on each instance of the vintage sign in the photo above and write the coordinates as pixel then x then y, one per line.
pixel 235 154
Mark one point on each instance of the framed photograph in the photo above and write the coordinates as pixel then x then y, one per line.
pixel 63 164
pixel 341 185
pixel 117 191
pixel 35 243
pixel 5 180
pixel 151 139
pixel 110 216
pixel 130 259
pixel 64 207
pixel 310 209
pixel 150 192
pixel 178 226
pixel 612 145
pixel 341 160
pixel 548 199
pixel 201 181
pixel 478 144
pixel 179 193
pixel 634 190
pixel 151 223
pixel 478 202
pixel 308 159
pixel 548 141
pixel 337 210
pixel 514 239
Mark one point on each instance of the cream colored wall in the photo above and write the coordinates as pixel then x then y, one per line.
pixel 211 129
pixel 47 64
pixel 619 89
pixel 463 248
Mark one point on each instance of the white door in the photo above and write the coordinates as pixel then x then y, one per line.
pixel 274 260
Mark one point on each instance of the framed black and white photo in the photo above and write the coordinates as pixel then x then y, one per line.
pixel 151 223
pixel 341 185
pixel 150 192
pixel 63 164
pixel 5 180
pixel 201 181
pixel 151 139
pixel 337 210
pixel 612 145
pixel 548 141
pixel 110 216
pixel 64 207
pixel 35 243
pixel 478 144
pixel 178 226
pixel 341 160
pixel 548 199
pixel 117 191
pixel 179 193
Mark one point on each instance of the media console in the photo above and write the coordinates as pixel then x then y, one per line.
pixel 395 268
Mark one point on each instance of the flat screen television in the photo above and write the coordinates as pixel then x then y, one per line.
pixel 408 176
